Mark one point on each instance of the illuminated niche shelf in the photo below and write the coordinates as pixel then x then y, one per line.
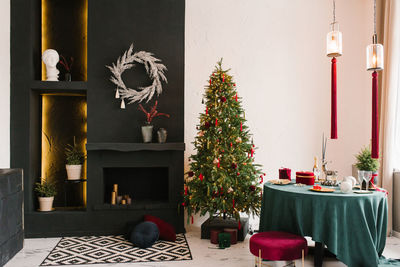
pixel 64 28
pixel 63 119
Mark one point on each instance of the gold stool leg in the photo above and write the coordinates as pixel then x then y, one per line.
pixel 259 257
pixel 302 258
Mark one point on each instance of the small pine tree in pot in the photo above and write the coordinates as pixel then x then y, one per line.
pixel 75 159
pixel 366 163
pixel 45 192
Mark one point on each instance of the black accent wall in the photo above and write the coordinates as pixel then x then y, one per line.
pixel 113 135
pixel 153 26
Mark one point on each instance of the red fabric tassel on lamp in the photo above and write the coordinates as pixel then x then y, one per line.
pixel 333 50
pixel 375 117
pixel 334 134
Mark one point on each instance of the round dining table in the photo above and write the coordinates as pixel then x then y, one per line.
pixel 352 226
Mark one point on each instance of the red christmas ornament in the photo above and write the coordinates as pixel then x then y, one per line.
pixel 234 85
pixel 262 179
pixel 223 78
pixel 218 164
pixel 201 177
pixel 190 174
pixel 183 204
pixel 233 203
pixel 252 152
pixel 241 126
pixel 210 82
pixel 207 125
pixel 216 121
pixel 206 110
pixel 238 173
pixel 234 165
pixel 231 144
pixel 236 98
pixel 223 98
pixel 252 188
pixel 186 190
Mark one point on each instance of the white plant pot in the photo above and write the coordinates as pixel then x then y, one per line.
pixel 46 203
pixel 74 172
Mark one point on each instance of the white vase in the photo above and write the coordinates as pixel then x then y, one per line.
pixel 74 172
pixel 147 132
pixel 46 203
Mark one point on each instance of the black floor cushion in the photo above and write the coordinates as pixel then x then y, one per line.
pixel 145 234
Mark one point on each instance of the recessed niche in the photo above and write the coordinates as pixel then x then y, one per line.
pixel 63 118
pixel 64 28
pixel 143 184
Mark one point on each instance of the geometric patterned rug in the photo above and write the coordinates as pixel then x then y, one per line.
pixel 114 249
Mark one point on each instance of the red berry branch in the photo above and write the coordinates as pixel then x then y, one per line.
pixel 153 113
pixel 67 66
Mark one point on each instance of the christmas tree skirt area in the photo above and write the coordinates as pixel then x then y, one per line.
pixel 220 223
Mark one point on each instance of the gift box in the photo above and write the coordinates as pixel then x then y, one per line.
pixel 285 173
pixel 214 235
pixel 306 178
pixel 224 240
pixel 233 233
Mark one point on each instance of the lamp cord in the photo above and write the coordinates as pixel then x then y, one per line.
pixel 334 11
pixel 375 17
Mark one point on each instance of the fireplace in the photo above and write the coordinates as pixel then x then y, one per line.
pixel 142 184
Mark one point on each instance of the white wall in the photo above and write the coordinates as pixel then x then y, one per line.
pixel 276 50
pixel 5 84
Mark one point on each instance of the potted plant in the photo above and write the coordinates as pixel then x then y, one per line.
pixel 366 163
pixel 147 130
pixel 67 66
pixel 75 159
pixel 45 192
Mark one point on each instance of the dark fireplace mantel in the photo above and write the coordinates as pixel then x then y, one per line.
pixel 130 147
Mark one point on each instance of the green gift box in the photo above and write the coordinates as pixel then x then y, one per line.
pixel 224 240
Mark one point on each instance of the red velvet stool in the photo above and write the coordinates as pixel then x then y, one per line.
pixel 278 246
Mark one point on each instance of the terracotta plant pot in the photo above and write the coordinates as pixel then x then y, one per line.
pixel 46 203
pixel 74 172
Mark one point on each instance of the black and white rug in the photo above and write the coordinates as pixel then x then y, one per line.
pixel 114 249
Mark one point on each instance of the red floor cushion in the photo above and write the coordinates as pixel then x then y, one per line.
pixel 167 231
pixel 277 246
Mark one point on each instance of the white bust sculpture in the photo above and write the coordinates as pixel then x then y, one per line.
pixel 50 58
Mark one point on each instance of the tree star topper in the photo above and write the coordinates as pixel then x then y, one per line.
pixel 154 69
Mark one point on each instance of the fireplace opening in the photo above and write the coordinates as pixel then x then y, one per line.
pixel 142 184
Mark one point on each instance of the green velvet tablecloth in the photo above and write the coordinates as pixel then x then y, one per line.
pixel 352 226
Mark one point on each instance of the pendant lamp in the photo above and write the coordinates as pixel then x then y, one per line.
pixel 334 50
pixel 374 64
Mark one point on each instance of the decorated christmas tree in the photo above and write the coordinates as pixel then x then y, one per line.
pixel 223 179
